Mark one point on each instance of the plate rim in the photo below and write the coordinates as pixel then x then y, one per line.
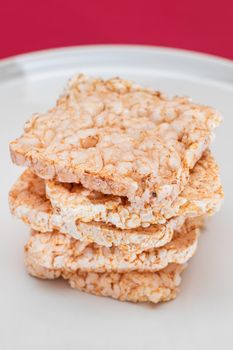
pixel 166 50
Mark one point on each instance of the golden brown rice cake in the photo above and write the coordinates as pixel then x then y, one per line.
pixel 28 202
pixel 59 251
pixel 131 286
pixel 118 138
pixel 202 195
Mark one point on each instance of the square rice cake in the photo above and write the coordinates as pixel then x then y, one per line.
pixel 116 137
pixel 202 195
pixel 131 286
pixel 28 201
pixel 59 251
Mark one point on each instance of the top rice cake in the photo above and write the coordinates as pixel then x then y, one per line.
pixel 116 137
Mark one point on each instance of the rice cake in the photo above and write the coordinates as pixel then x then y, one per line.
pixel 60 251
pixel 28 202
pixel 115 137
pixel 130 286
pixel 202 195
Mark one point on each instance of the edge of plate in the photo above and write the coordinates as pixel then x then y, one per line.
pixel 213 67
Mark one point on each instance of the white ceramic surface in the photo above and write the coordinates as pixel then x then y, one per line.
pixel 37 314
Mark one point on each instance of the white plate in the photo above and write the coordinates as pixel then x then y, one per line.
pixel 37 314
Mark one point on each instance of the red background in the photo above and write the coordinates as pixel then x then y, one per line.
pixel 202 25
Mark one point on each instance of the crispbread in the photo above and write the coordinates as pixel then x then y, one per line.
pixel 28 202
pixel 131 286
pixel 118 138
pixel 202 195
pixel 60 251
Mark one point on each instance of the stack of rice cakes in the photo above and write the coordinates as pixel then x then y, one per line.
pixel 119 179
